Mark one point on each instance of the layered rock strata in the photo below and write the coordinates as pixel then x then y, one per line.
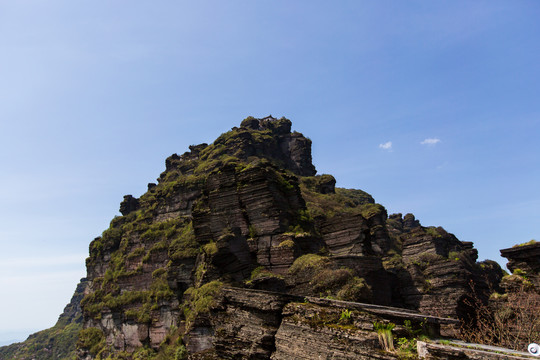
pixel 438 274
pixel 525 259
pixel 240 251
pixel 466 351
pixel 254 324
pixel 248 211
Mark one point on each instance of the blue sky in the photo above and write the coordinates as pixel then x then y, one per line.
pixel 95 95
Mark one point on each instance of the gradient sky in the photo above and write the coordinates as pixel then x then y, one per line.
pixel 430 106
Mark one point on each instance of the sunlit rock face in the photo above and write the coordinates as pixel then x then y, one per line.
pixel 526 258
pixel 248 211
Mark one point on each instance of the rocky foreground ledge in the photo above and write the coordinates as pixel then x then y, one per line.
pixel 255 324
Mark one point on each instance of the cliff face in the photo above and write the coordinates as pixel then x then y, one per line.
pixel 240 251
pixel 248 211
pixel 262 325
pixel 438 273
pixel 218 212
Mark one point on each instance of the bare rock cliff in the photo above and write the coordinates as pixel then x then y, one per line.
pixel 249 212
pixel 241 251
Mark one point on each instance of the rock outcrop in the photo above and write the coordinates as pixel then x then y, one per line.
pixel 249 211
pixel 240 251
pixel 438 274
pixel 457 350
pixel 264 325
pixel 525 260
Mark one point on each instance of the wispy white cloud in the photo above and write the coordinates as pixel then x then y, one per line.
pixel 386 146
pixel 430 141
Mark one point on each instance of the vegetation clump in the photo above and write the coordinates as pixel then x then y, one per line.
pixel 329 204
pixel 210 249
pixel 289 244
pixel 384 332
pixel 329 280
pixel 308 261
pixel 531 242
pixel 261 272
pixel 506 321
pixel 200 300
pixel 252 232
pixel 345 316
pixel 184 244
pixel 393 261
pixel 356 289
pixel 436 232
pixel 57 342
pixel 92 340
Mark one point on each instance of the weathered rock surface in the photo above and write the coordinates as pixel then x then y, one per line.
pixel 253 324
pixel 129 204
pixel 290 150
pixel 464 351
pixel 527 259
pixel 439 275
pixel 248 212
pixel 347 235
pixel 246 322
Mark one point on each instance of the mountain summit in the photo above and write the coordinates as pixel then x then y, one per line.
pixel 248 211
pixel 240 248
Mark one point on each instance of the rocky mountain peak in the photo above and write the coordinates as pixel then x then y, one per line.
pixel 266 139
pixel 229 221
pixel 241 252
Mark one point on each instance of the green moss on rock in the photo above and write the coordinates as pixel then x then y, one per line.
pixel 200 300
pixel 307 261
pixel 92 340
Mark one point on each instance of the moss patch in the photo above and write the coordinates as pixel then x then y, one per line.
pixel 200 300
pixel 307 261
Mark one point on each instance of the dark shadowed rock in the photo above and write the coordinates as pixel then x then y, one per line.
pixel 248 212
pixel 129 204
pixel 525 258
pixel 190 263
